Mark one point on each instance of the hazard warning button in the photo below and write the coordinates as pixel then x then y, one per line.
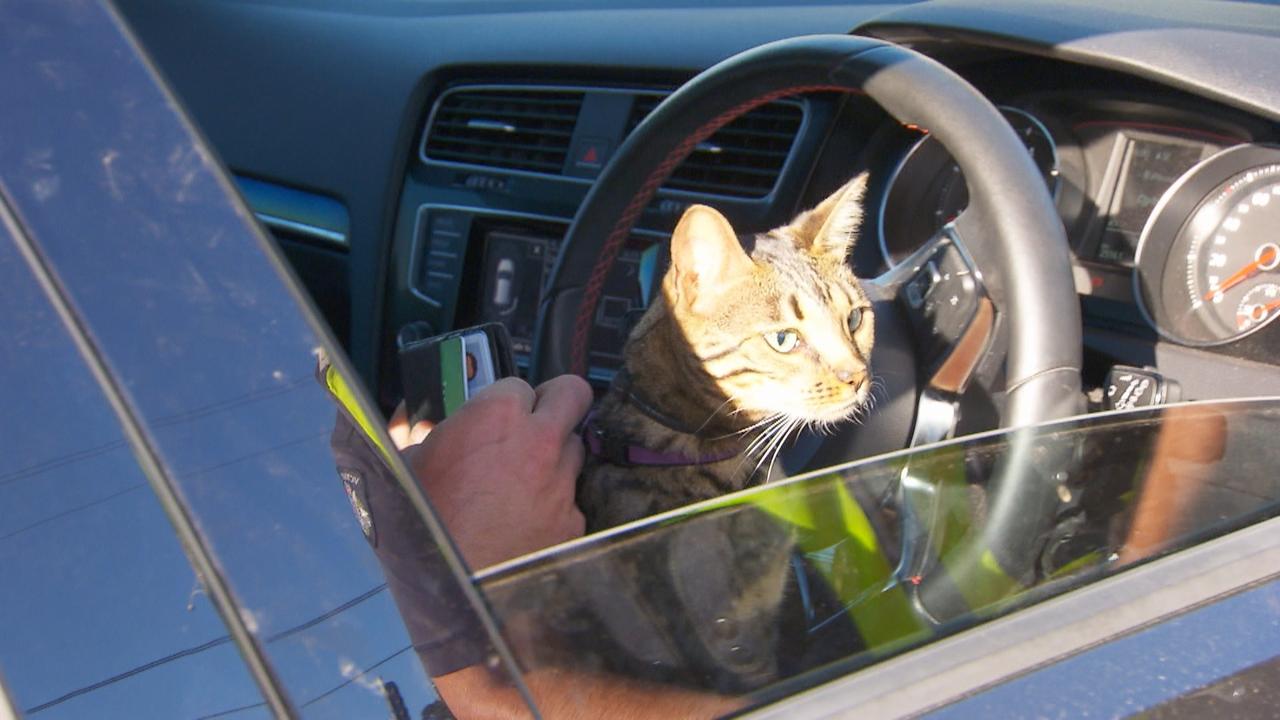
pixel 589 155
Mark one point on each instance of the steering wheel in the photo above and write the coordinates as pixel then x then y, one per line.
pixel 1005 256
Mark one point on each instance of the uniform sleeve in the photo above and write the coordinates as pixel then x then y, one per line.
pixel 442 623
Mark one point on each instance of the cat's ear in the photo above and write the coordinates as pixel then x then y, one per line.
pixel 829 230
pixel 706 259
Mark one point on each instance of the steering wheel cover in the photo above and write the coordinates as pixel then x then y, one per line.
pixel 1024 254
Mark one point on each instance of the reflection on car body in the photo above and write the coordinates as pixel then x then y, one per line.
pixel 177 540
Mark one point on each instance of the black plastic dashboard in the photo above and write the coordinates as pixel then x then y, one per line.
pixel 343 99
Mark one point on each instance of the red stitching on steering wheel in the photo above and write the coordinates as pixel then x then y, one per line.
pixel 613 244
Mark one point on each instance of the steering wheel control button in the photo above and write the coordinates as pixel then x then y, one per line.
pixel 918 289
pixel 942 300
pixel 1129 387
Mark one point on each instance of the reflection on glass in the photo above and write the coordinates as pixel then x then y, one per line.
pixel 100 613
pixel 188 310
pixel 853 565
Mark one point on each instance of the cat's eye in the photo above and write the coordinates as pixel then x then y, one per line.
pixel 784 341
pixel 855 320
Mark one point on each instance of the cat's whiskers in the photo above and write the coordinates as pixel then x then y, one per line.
pixel 752 450
pixel 710 417
pixel 796 422
pixel 746 453
pixel 877 384
pixel 763 438
pixel 764 442
pixel 749 428
pixel 858 413
pixel 774 440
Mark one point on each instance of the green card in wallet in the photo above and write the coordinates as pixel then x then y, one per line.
pixel 439 373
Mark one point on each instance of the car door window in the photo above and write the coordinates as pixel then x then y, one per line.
pixel 183 310
pixel 783 586
pixel 100 612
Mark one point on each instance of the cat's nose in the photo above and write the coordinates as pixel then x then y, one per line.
pixel 851 377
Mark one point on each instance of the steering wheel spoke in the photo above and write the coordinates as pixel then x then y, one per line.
pixel 952 317
pixel 890 282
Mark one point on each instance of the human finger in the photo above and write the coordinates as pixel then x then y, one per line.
pixel 575 523
pixel 563 401
pixel 398 428
pixel 401 434
pixel 512 387
pixel 420 432
pixel 572 455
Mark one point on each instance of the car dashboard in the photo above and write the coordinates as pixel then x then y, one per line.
pixel 461 142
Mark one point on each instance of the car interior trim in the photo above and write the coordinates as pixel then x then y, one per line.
pixel 800 103
pixel 953 376
pixel 1225 60
pixel 311 231
pixel 936 419
pixel 996 651
pixel 530 87
pixel 313 216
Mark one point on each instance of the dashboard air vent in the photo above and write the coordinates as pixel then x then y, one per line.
pixel 513 128
pixel 743 159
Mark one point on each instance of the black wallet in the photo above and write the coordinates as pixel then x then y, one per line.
pixel 439 373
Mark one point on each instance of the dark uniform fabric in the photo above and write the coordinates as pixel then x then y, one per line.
pixel 442 624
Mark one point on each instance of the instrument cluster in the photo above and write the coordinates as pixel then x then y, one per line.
pixel 1169 210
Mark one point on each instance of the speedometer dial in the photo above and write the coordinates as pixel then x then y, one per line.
pixel 1208 266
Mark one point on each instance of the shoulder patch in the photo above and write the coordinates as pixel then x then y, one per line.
pixel 358 494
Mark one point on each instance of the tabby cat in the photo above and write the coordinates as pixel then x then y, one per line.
pixel 741 348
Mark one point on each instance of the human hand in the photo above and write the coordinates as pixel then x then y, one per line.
pixel 403 435
pixel 502 470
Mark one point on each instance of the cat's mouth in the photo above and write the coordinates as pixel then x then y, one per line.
pixel 820 406
pixel 836 407
pixel 831 415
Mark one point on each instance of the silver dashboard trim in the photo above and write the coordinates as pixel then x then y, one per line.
pixel 330 237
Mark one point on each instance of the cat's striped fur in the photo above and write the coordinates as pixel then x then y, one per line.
pixel 742 348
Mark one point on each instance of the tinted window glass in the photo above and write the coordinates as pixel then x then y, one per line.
pixel 100 613
pixel 806 579
pixel 176 286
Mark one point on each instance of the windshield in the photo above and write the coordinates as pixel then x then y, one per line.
pixel 836 570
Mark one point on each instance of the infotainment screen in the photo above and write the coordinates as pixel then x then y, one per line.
pixel 516 266
pixel 1148 167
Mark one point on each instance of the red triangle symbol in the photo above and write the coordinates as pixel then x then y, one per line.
pixel 590 157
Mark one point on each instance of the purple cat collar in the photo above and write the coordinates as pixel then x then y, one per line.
pixel 618 452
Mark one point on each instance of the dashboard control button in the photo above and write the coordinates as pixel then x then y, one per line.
pixel 1130 387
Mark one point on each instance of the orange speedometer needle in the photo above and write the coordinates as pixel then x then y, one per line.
pixel 1266 257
